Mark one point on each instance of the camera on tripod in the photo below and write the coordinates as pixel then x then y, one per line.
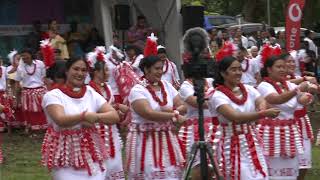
pixel 197 66
pixel 198 62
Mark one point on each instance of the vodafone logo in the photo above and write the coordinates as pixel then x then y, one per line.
pixel 292 7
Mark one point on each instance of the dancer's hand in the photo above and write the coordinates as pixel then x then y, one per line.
pixel 303 87
pixel 272 112
pixel 91 117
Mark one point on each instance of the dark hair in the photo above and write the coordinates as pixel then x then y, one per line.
pixel 284 56
pixel 222 66
pixel 272 32
pixel 242 49
pixel 29 51
pixel 135 48
pixel 73 60
pixel 147 62
pixel 162 50
pixel 98 66
pixel 269 63
pixel 57 71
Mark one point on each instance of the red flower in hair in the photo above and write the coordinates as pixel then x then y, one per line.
pixel 268 51
pixel 151 46
pixel 47 52
pixel 100 56
pixel 227 50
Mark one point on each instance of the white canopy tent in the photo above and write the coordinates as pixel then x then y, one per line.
pixel 162 15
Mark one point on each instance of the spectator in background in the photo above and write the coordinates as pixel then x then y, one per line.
pixel 259 39
pixel 252 40
pixel 59 43
pixel 281 39
pixel 74 40
pixel 308 38
pixel 254 51
pixel 34 37
pixel 212 34
pixel 138 33
pixel 93 40
pixel 116 40
pixel 265 36
pixel 243 39
pixel 272 32
pixel 52 26
pixel 214 47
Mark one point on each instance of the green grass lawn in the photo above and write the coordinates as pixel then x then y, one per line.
pixel 22 157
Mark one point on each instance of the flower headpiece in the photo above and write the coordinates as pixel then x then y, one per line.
pixel 267 51
pixel 47 52
pixel 97 55
pixel 228 49
pixel 115 49
pixel 151 46
pixel 11 55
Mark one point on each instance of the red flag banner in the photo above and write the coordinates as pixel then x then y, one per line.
pixel 293 24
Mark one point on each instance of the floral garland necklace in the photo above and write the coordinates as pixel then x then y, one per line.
pixel 95 86
pixel 276 86
pixel 228 92
pixel 153 93
pixel 69 91
pixel 34 69
pixel 247 65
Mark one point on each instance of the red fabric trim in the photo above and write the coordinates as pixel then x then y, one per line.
pixel 170 149
pixel 154 149
pixel 112 147
pixel 143 151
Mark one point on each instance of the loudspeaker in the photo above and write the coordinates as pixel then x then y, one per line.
pixel 122 13
pixel 193 16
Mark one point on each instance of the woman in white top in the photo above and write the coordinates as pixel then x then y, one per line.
pixel 99 76
pixel 170 72
pixel 239 107
pixel 154 150
pixel 6 118
pixel 281 137
pixel 302 118
pixel 72 147
pixel 31 74
pixel 113 59
pixel 14 58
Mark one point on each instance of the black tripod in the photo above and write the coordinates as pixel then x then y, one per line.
pixel 205 148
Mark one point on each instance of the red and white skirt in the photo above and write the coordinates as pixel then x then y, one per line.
pixel 7 115
pixel 154 151
pixel 31 99
pixel 80 149
pixel 304 124
pixel 240 154
pixel 111 138
pixel 189 134
pixel 281 138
